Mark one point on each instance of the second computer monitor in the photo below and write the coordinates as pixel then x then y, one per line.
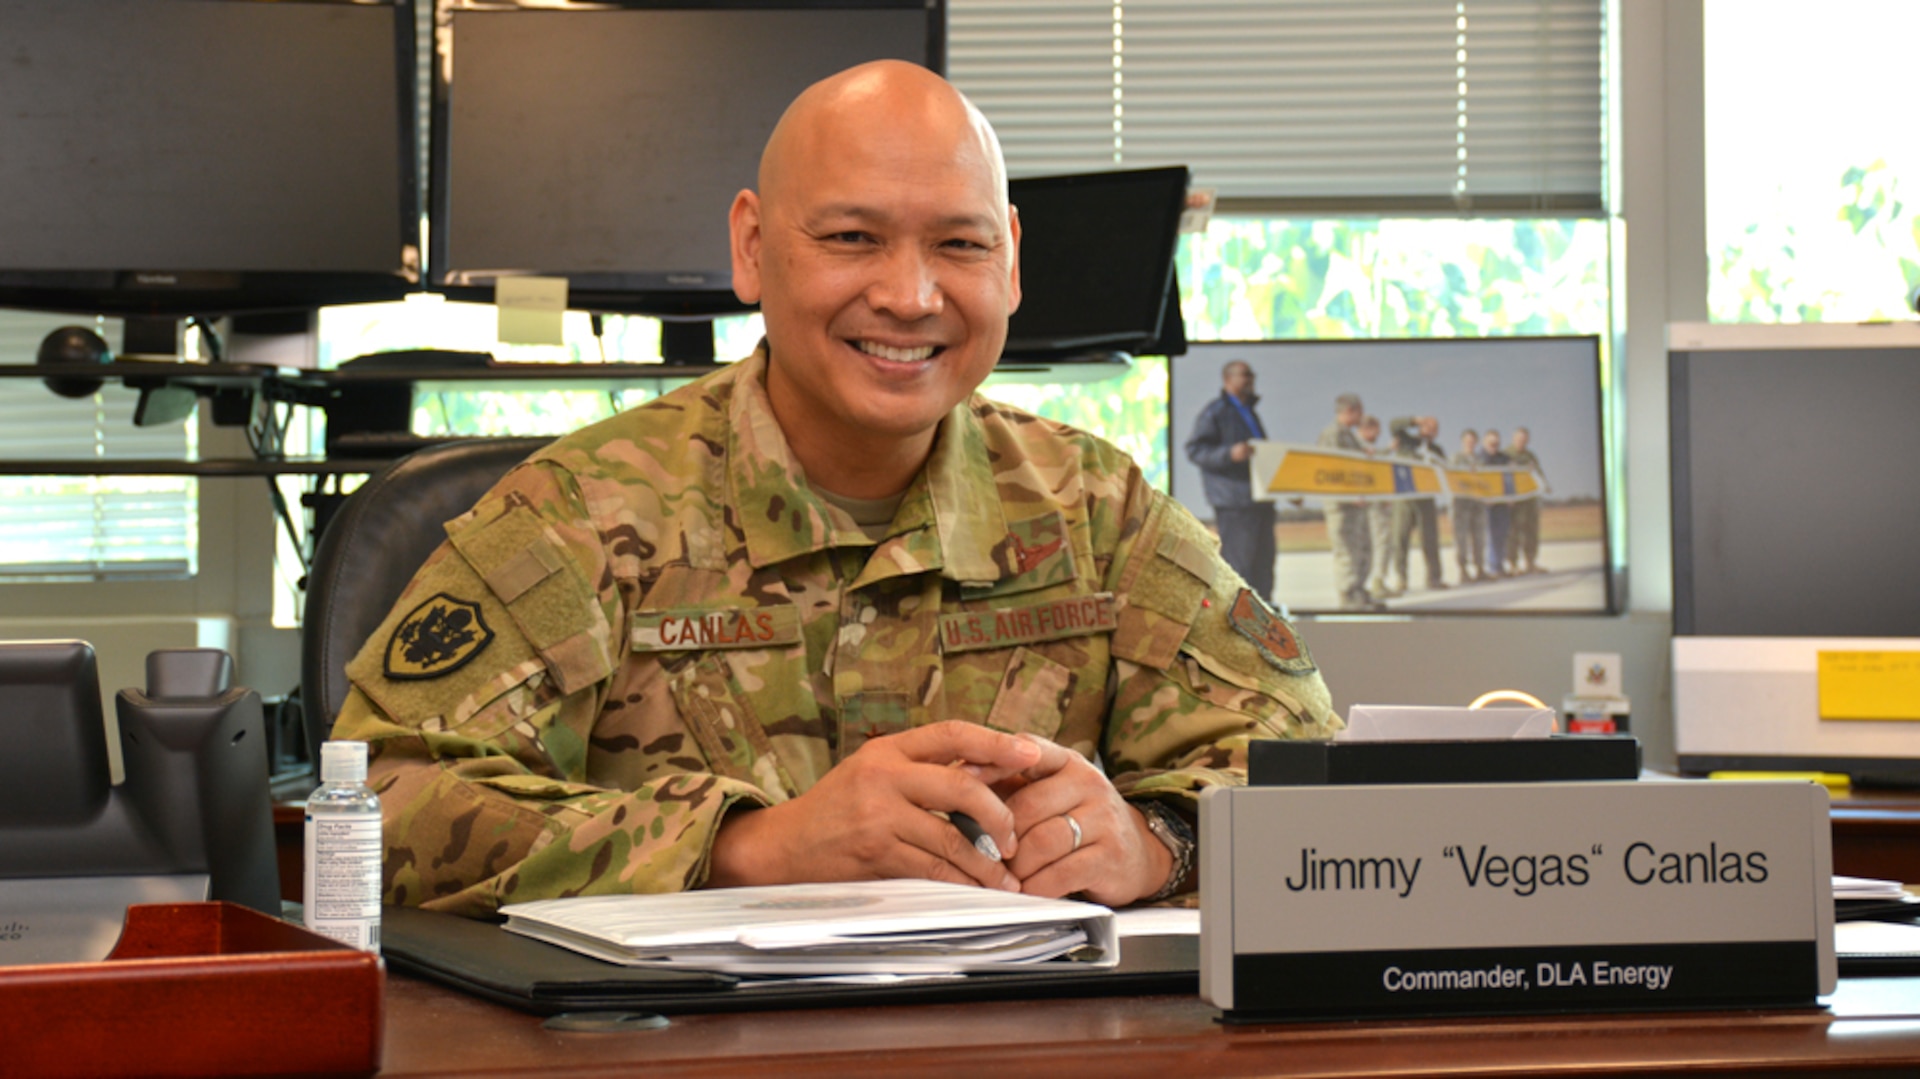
pixel 604 145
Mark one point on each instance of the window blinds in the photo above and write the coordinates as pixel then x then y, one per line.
pixel 1314 106
pixel 86 526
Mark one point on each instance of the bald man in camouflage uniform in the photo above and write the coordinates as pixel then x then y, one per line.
pixel 770 626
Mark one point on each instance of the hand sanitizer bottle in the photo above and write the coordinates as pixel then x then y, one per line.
pixel 342 895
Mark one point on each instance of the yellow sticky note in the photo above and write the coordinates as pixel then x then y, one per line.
pixel 532 309
pixel 1870 685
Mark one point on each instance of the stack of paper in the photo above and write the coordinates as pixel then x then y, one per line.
pixel 1867 888
pixel 871 927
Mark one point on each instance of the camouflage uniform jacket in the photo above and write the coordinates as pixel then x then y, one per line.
pixel 655 619
pixel 1528 460
pixel 1409 443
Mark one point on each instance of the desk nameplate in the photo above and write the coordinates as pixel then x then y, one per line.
pixel 1420 900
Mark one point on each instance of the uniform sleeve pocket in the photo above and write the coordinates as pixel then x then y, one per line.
pixel 1165 583
pixel 544 592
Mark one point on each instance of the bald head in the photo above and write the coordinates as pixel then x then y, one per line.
pixel 889 108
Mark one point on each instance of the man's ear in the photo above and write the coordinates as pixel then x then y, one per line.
pixel 743 227
pixel 1013 231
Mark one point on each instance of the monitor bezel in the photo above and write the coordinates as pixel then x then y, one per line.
pixel 611 293
pixel 1154 340
pixel 159 291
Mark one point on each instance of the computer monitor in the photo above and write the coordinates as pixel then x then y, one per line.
pixel 1794 507
pixel 1794 517
pixel 1096 263
pixel 178 157
pixel 605 144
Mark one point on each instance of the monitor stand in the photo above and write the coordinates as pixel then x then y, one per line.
pixel 686 342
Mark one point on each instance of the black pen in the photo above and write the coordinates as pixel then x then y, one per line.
pixel 970 828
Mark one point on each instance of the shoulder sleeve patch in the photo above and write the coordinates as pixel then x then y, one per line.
pixel 436 639
pixel 421 667
pixel 1270 634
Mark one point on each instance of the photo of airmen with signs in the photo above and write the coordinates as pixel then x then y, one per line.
pixel 1408 476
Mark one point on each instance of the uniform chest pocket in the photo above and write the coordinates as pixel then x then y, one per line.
pixel 725 721
pixel 1033 695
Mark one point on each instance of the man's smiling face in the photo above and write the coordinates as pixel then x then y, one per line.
pixel 884 257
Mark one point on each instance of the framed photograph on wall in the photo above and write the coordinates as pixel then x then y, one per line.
pixel 1408 476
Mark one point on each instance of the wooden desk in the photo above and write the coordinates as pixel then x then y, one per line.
pixel 1871 1028
pixel 1877 834
pixel 290 848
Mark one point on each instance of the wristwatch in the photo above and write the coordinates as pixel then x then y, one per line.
pixel 1173 830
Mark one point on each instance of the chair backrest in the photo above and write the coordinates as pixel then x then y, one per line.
pixel 372 548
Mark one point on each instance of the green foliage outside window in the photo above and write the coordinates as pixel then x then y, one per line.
pixel 1856 261
pixel 1811 159
pixel 1301 279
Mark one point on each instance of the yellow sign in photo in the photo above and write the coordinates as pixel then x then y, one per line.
pixel 1869 685
pixel 1293 471
pixel 1317 472
pixel 1494 484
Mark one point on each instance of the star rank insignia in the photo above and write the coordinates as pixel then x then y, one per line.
pixel 1270 633
pixel 437 638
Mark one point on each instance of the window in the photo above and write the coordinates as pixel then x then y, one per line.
pixel 1384 167
pixel 1252 278
pixel 1360 149
pixel 1813 166
pixel 1302 105
pixel 88 527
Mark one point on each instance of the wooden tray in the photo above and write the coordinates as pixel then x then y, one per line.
pixel 197 989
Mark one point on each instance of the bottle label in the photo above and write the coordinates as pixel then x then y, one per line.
pixel 343 879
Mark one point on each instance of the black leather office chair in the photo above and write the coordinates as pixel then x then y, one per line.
pixel 371 549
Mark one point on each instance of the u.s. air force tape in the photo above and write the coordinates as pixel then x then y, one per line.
pixel 1047 620
pixel 700 628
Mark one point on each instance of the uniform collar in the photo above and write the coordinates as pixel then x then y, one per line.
pixel 949 521
pixel 965 498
